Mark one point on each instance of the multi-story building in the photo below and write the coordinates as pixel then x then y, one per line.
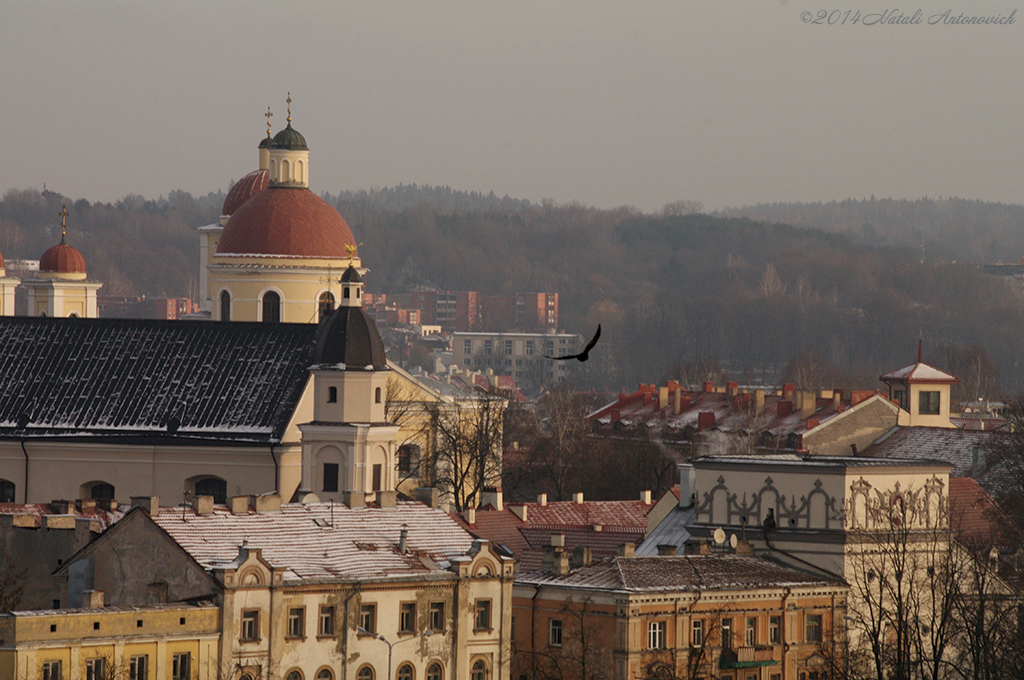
pixel 520 355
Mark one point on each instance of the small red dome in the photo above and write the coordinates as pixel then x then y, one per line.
pixel 2 261
pixel 286 222
pixel 62 258
pixel 244 189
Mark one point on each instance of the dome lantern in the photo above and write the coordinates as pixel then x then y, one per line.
pixel 289 156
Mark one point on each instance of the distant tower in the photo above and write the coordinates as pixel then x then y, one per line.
pixel 61 287
pixel 922 392
pixel 7 286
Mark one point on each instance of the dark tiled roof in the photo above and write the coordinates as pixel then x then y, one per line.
pixel 350 337
pixel 128 377
pixel 951 445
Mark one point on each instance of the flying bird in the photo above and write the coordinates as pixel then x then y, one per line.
pixel 585 354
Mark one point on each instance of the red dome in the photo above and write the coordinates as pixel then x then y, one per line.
pixel 2 261
pixel 62 258
pixel 244 189
pixel 286 222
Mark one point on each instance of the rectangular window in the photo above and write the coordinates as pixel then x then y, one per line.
pixel 773 629
pixel 296 616
pixel 326 626
pixel 378 471
pixel 483 615
pixel 330 476
pixel 181 666
pixel 51 670
pixel 467 346
pixel 368 617
pixel 726 633
pixel 250 625
pixel 436 616
pixel 94 669
pixel 900 396
pixel 508 347
pixel 555 632
pixel 812 628
pixel 407 617
pixel 487 346
pixel 697 637
pixel 529 348
pixel 656 635
pixel 138 667
pixel 751 631
pixel 929 402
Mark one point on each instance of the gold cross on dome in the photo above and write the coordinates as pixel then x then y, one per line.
pixel 268 115
pixel 63 222
pixel 289 100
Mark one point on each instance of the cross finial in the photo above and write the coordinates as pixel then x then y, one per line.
pixel 268 115
pixel 289 100
pixel 63 222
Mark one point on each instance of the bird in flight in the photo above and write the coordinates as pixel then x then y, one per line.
pixel 585 354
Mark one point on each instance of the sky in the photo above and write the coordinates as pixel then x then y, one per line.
pixel 608 103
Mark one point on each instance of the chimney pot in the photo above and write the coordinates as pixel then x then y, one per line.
pixel 645 497
pixel 627 550
pixel 578 497
pixel 542 500
pixel 151 504
pixel 471 516
pixel 666 550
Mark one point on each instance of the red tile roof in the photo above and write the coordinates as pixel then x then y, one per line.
pixel 244 189
pixel 975 515
pixel 920 373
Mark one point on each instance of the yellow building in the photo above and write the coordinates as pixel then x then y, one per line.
pixel 7 286
pixel 61 288
pixel 922 393
pixel 161 642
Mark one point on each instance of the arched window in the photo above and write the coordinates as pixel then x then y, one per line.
pixel 7 490
pixel 271 307
pixel 213 486
pixel 294 675
pixel 332 395
pixel 365 673
pixel 298 171
pixel 325 674
pixel 376 395
pixel 273 170
pixel 479 670
pixel 102 491
pixel 225 306
pixel 405 672
pixel 285 172
pixel 434 671
pixel 326 305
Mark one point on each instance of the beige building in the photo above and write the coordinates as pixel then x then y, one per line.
pixel 922 393
pixel 61 288
pixel 519 355
pixel 7 286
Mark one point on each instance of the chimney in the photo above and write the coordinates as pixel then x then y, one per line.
pixel 662 397
pixel 354 499
pixel 85 504
pixel 268 502
pixel 709 386
pixel 666 550
pixel 677 402
pixel 402 538
pixel 60 507
pixel 470 516
pixel 758 402
pixel 857 396
pixel 808 405
pixel 428 496
pixel 837 399
pixel 785 409
pixel 788 391
pixel 542 500
pixel 492 496
pixel 645 497
pixel 203 505
pixel 92 599
pixel 558 540
pixel 627 550
pixel 519 511
pixel 581 556
pixel 151 504
pixel 239 505
pixel 705 420
pixel 387 498
pixel 578 497
pixel 687 485
pixel 732 389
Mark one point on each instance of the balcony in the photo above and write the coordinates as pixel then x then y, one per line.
pixel 747 657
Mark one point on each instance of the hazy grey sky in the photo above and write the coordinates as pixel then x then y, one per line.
pixel 609 103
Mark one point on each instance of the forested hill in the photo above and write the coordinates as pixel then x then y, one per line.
pixel 680 296
pixel 944 228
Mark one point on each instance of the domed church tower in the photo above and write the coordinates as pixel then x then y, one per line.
pixel 349 445
pixel 279 250
pixel 61 287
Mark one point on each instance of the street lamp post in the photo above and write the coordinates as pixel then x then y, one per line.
pixel 390 644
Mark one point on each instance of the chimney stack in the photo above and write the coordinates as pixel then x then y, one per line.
pixel 203 505
pixel 627 550
pixel 687 485
pixel 666 550
pixel 542 500
pixel 151 504
pixel 578 497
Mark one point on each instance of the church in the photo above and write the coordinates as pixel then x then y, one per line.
pixel 114 408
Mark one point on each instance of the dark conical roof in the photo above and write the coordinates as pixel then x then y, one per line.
pixel 351 276
pixel 349 336
pixel 289 138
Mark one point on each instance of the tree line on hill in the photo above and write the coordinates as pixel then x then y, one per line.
pixel 679 294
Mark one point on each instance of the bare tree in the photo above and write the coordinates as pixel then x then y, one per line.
pixel 466 450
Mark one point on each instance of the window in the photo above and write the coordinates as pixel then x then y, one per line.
pixel 378 471
pixel 213 486
pixel 405 672
pixel 508 347
pixel 751 631
pixel 51 670
pixel 407 617
pixel 293 675
pixel 365 673
pixel 726 633
pixel 332 395
pixel 656 635
pixel 408 458
pixel 467 346
pixel 94 669
pixel 102 492
pixel 250 625
pixel 225 306
pixel 326 304
pixel 487 346
pixel 6 491
pixel 773 629
pixel 368 617
pixel 529 348
pixel 555 632
pixel 929 402
pixel 697 636
pixel 376 396
pixel 436 616
pixel 330 476
pixel 434 671
pixel 479 671
pixel 900 397
pixel 483 614
pixel 327 674
pixel 812 628
pixel 326 626
pixel 181 666
pixel 296 616
pixel 271 307
pixel 138 667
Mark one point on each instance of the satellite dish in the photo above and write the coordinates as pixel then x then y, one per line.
pixel 733 541
pixel 719 536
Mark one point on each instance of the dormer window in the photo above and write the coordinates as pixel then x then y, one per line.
pixel 929 403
